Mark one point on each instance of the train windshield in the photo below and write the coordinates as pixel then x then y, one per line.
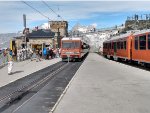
pixel 70 44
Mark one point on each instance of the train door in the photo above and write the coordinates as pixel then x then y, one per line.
pixel 115 48
pixel 131 48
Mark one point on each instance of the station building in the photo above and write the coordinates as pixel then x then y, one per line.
pixel 37 39
pixel 40 38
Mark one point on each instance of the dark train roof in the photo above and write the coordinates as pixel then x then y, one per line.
pixel 41 33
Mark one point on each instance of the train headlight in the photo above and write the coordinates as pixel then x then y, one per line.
pixel 76 52
pixel 69 53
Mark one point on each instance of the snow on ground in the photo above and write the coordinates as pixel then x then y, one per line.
pixel 93 37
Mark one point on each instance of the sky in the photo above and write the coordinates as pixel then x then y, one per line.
pixel 100 13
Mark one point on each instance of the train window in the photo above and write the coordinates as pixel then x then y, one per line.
pixel 136 43
pixel 124 44
pixel 104 46
pixel 76 44
pixel 142 40
pixel 112 45
pixel 109 45
pixel 70 44
pixel 118 45
pixel 148 41
pixel 121 45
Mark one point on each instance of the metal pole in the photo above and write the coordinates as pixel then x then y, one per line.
pixel 24 22
pixel 58 38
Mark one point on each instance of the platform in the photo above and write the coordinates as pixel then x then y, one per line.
pixel 22 69
pixel 105 86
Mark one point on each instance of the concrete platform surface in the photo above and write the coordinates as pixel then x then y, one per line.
pixel 24 68
pixel 105 86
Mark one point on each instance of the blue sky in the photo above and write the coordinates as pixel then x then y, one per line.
pixel 102 13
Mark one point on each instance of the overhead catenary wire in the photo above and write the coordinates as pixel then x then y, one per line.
pixel 42 13
pixel 36 10
pixel 52 9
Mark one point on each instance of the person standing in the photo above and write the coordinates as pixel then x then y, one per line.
pixel 44 52
pixel 10 62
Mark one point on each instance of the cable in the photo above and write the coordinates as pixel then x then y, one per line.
pixel 52 9
pixel 36 10
pixel 42 13
pixel 54 12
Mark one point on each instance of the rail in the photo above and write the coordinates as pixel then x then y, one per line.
pixel 19 92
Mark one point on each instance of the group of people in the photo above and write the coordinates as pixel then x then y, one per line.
pixel 23 54
pixel 36 54
pixel 50 53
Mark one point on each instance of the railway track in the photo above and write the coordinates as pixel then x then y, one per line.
pixel 10 94
pixel 14 92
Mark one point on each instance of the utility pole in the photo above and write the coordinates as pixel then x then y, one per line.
pixel 58 38
pixel 25 33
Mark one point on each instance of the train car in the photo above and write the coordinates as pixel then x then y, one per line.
pixel 129 47
pixel 73 48
pixel 118 48
pixel 141 47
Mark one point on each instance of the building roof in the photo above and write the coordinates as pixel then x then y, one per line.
pixel 138 32
pixel 41 33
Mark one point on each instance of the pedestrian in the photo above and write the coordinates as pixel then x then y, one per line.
pixel 38 55
pixel 10 62
pixel 59 51
pixel 48 53
pixel 44 52
pixel 33 55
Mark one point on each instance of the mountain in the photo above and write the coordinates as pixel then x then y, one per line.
pixel 93 36
pixel 83 29
pixel 5 39
pixel 43 26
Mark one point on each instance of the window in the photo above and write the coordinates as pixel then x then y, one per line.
pixel 124 44
pixel 118 45
pixel 121 45
pixel 136 43
pixel 109 45
pixel 105 46
pixel 71 44
pixel 112 45
pixel 142 40
pixel 148 41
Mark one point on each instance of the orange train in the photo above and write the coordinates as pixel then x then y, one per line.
pixel 129 47
pixel 74 48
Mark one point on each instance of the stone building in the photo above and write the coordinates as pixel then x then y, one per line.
pixel 60 28
pixel 40 38
pixel 37 39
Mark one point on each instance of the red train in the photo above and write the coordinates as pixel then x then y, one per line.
pixel 129 47
pixel 74 48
